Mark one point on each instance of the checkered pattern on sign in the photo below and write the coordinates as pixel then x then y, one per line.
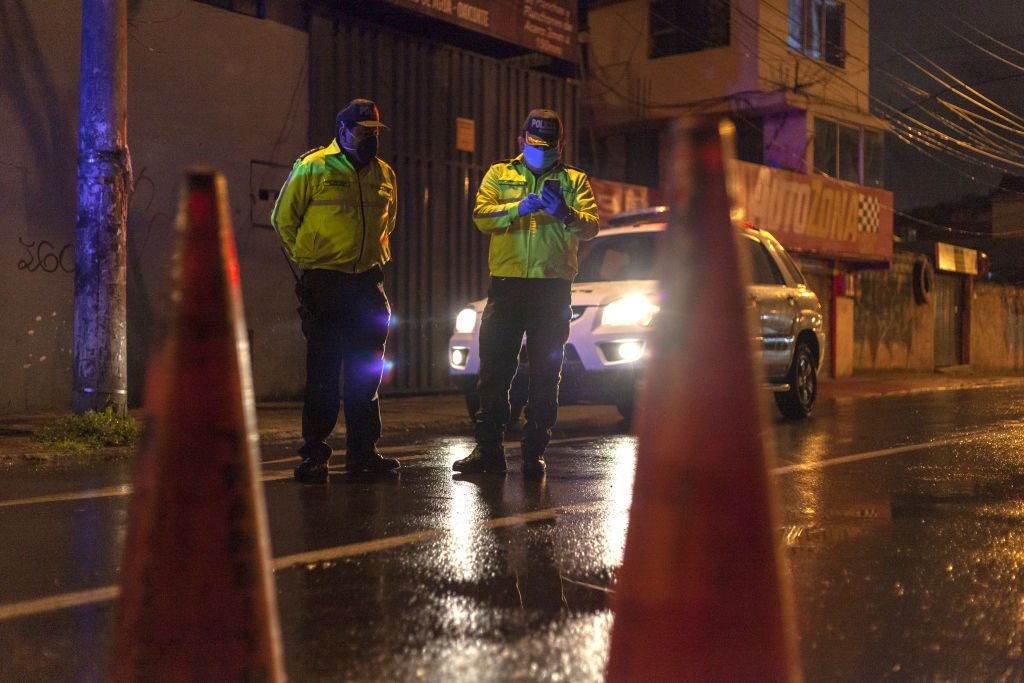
pixel 867 213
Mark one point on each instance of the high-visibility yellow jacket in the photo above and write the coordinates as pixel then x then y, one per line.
pixel 535 245
pixel 333 217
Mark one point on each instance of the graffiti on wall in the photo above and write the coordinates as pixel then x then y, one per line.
pixel 45 256
pixel 884 317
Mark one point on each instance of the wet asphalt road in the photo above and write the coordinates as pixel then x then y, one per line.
pixel 902 529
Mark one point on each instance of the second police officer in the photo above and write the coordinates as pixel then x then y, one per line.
pixel 535 209
pixel 335 214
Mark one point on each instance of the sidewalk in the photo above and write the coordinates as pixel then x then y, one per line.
pixel 414 417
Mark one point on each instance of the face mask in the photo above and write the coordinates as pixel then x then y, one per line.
pixel 540 158
pixel 364 150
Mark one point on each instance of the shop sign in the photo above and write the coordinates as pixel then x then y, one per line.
pixel 545 26
pixel 812 214
pixel 614 197
pixel 954 259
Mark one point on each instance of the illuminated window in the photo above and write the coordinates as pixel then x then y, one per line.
pixel 681 26
pixel 816 29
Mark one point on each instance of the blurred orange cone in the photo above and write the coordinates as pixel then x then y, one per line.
pixel 197 595
pixel 700 596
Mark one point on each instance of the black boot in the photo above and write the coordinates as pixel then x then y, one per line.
pixel 313 468
pixel 533 464
pixel 482 459
pixel 372 465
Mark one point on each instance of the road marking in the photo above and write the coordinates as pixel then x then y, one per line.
pixel 414 448
pixel 122 490
pixel 57 602
pixel 126 489
pixel 26 608
pixel 107 593
pixel 419 448
pixel 867 455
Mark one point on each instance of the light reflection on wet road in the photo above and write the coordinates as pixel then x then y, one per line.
pixel 907 558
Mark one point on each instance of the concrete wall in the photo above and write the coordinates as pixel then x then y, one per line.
pixel 997 327
pixel 778 65
pixel 632 86
pixel 891 331
pixel 199 93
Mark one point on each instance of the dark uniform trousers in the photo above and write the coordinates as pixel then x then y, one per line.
pixel 345 318
pixel 541 309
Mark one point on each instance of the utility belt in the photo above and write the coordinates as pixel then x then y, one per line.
pixel 374 274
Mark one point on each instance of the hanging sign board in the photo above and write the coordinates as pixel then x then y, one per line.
pixel 545 26
pixel 954 259
pixel 465 134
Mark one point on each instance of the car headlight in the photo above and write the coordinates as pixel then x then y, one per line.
pixel 465 321
pixel 633 310
pixel 623 350
pixel 458 357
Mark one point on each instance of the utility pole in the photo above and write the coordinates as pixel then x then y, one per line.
pixel 104 186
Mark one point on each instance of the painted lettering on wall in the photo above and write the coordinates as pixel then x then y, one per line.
pixel 815 214
pixel 43 255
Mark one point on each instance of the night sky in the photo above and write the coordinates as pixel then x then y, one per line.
pixel 928 29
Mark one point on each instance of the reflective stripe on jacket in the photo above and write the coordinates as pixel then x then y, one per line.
pixel 332 217
pixel 536 245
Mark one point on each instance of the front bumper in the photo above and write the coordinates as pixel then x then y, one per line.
pixel 578 385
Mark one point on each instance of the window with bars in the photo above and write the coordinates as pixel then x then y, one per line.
pixel 682 26
pixel 817 30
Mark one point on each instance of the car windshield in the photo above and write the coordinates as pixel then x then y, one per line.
pixel 629 256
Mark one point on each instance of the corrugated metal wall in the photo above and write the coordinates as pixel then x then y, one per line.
pixel 439 258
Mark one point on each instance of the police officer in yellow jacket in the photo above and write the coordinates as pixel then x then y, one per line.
pixel 335 214
pixel 535 209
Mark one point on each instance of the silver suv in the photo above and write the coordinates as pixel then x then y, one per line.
pixel 614 302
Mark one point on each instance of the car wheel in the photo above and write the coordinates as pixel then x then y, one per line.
pixel 798 401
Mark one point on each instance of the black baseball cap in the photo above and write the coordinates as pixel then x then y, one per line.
pixel 360 112
pixel 542 128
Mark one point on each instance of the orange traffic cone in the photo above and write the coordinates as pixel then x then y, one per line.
pixel 700 596
pixel 197 595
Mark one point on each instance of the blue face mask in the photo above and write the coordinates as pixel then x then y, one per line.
pixel 540 158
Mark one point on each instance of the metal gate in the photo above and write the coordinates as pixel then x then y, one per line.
pixel 421 88
pixel 949 320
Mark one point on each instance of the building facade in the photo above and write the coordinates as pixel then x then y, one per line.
pixel 245 87
pixel 793 76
